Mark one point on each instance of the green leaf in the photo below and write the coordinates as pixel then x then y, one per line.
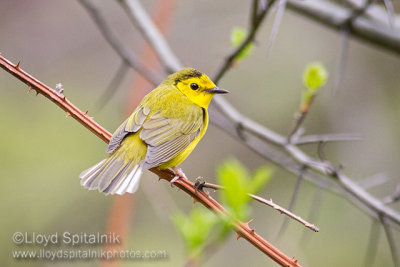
pixel 260 178
pixel 314 76
pixel 195 229
pixel 238 183
pixel 232 175
pixel 238 35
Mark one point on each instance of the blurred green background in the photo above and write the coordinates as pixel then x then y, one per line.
pixel 43 152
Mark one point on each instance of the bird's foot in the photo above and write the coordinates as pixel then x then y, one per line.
pixel 199 184
pixel 178 175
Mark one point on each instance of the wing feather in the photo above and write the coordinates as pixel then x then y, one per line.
pixel 165 137
pixel 130 125
pixel 168 137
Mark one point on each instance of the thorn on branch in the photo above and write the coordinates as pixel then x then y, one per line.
pixel 271 204
pixel 247 224
pixel 17 65
pixel 393 198
pixel 68 115
pixel 238 236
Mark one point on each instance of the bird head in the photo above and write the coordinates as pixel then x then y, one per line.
pixel 197 86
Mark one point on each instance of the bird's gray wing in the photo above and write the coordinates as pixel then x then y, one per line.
pixel 168 137
pixel 130 125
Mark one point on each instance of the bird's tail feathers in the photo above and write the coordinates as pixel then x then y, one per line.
pixel 112 176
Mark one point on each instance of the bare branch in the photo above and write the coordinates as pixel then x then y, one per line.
pixel 146 26
pixel 373 181
pixel 373 242
pixel 313 211
pixel 188 187
pixel 264 201
pixel 362 28
pixel 377 13
pixel 312 139
pixel 292 203
pixel 391 241
pixel 299 118
pixel 254 26
pixel 341 65
pixel 113 86
pixel 393 198
pixel 116 44
pixel 390 10
pixel 275 26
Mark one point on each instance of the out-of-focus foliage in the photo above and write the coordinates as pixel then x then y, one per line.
pixel 196 228
pixel 238 183
pixel 238 35
pixel 314 77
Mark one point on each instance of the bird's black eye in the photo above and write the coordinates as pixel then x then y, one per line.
pixel 194 86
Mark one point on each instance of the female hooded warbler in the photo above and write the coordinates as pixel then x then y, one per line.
pixel 161 132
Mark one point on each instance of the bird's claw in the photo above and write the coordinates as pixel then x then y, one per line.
pixel 178 175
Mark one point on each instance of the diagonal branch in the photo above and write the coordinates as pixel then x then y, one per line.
pixel 263 201
pixel 333 16
pixel 136 13
pixel 115 43
pixel 188 187
pixel 257 20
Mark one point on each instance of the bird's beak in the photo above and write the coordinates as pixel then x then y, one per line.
pixel 216 90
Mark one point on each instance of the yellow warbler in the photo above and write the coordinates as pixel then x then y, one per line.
pixel 161 132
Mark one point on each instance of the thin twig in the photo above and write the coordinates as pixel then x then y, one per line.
pixel 373 242
pixel 393 198
pixel 299 118
pixel 149 31
pixel 347 24
pixel 373 181
pixel 312 139
pixel 275 26
pixel 264 201
pixel 188 187
pixel 390 11
pixel 116 44
pixel 112 87
pixel 292 202
pixel 255 8
pixel 314 211
pixel 391 241
pixel 332 15
pixel 341 65
pixel 356 13
pixel 254 27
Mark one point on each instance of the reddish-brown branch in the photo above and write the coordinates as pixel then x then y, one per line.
pixel 241 228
